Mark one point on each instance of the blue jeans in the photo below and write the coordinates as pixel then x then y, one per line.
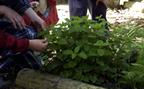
pixel 79 8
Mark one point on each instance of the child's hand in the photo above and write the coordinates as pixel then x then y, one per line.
pixel 34 5
pixel 14 17
pixel 40 24
pixel 38 45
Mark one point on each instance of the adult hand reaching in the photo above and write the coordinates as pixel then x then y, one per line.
pixel 13 16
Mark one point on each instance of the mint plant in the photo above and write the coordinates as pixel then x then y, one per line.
pixel 84 50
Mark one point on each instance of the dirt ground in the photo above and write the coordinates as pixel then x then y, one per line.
pixel 112 15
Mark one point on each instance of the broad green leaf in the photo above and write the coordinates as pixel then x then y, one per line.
pixel 100 52
pixel 74 55
pixel 83 55
pixel 70 64
pixel 99 43
pixel 62 42
pixel 67 52
pixel 97 26
pixel 76 50
pixel 92 53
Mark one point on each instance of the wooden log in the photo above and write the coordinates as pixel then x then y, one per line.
pixel 30 79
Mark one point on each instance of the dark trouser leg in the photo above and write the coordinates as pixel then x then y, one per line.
pixel 78 7
pixel 98 10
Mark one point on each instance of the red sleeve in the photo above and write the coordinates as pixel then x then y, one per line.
pixel 51 2
pixel 53 15
pixel 52 18
pixel 11 42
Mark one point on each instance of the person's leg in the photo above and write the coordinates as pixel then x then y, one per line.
pixel 97 10
pixel 78 7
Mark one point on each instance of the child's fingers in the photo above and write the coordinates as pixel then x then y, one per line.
pixel 34 4
pixel 21 23
pixel 18 24
pixel 14 23
pixel 0 57
pixel 45 45
pixel 44 40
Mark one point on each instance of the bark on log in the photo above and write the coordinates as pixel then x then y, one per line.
pixel 30 79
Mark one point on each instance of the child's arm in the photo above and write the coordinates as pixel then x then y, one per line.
pixel 35 18
pixel 23 7
pixel 8 41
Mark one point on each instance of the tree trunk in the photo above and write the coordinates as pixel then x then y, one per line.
pixel 30 79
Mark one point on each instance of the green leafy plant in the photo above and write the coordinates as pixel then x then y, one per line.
pixel 133 78
pixel 84 50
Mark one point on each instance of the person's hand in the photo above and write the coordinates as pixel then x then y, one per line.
pixel 38 45
pixel 14 17
pixel 37 21
pixel 34 5
pixel 40 24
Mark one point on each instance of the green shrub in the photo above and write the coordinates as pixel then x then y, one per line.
pixel 84 50
pixel 133 78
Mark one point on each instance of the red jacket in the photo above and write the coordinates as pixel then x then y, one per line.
pixel 8 41
pixel 51 19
